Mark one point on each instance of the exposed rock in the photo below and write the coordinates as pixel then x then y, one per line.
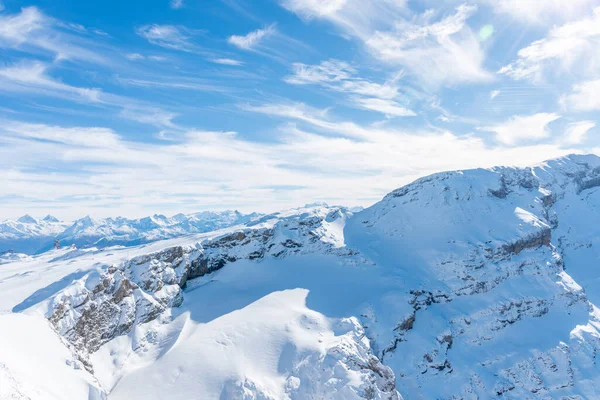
pixel 107 304
pixel 537 239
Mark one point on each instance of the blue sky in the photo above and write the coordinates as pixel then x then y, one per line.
pixel 139 107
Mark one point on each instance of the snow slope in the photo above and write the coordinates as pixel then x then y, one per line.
pixel 462 285
pixel 35 364
pixel 274 348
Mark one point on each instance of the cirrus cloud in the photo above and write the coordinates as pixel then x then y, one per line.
pixel 568 49
pixel 252 39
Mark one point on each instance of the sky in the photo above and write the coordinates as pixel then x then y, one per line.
pixel 138 107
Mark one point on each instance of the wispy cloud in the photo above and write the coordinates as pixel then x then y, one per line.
pixel 151 116
pixel 388 107
pixel 327 72
pixel 89 137
pixel 138 56
pixel 442 52
pixel 341 77
pixel 176 4
pixel 16 28
pixel 31 30
pixel 228 61
pixel 519 128
pixel 539 12
pixel 356 17
pixel 135 56
pixel 314 8
pixel 584 96
pixel 570 48
pixel 168 36
pixel 175 82
pixel 576 132
pixel 252 39
pixel 32 77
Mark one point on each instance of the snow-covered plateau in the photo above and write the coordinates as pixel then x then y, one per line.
pixel 474 284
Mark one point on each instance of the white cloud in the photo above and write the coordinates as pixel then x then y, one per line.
pixel 584 96
pixel 385 106
pixel 355 17
pixel 493 94
pixel 170 82
pixel 341 77
pixel 326 72
pixel 30 30
pixel 150 115
pixel 577 131
pixel 537 12
pixel 252 39
pixel 135 56
pixel 94 170
pixel 570 48
pixel 138 56
pixel 445 52
pixel 168 36
pixel 228 61
pixel 87 137
pixel 314 8
pixel 176 4
pixel 519 129
pixel 33 77
pixel 15 29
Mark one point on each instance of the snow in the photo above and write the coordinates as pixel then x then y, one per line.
pixel 251 350
pixel 28 235
pixel 34 364
pixel 469 284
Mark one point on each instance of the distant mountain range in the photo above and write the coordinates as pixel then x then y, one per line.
pixel 31 236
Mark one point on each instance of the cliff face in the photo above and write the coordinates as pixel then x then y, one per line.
pixel 489 308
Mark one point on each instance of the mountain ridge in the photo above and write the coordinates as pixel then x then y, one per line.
pixel 31 236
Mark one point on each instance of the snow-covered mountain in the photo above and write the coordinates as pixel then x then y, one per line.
pixel 28 235
pixel 31 236
pixel 462 285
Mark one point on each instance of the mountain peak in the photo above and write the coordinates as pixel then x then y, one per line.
pixel 50 218
pixel 27 219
